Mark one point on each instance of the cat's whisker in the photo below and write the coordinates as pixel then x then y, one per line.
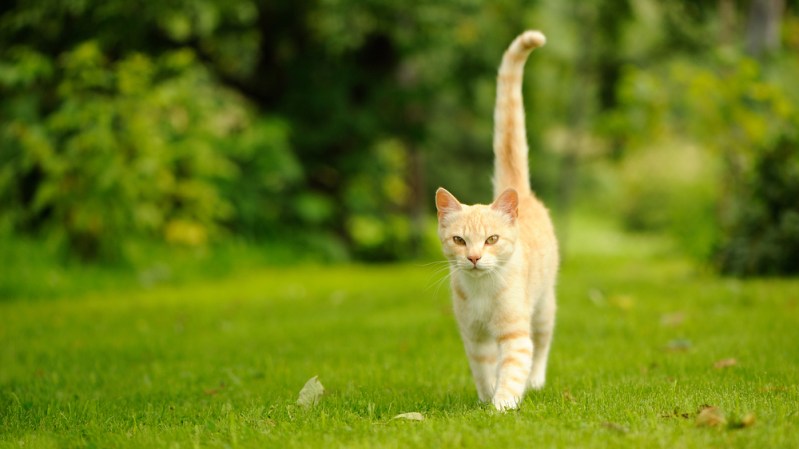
pixel 438 272
pixel 441 282
pixel 437 285
pixel 437 262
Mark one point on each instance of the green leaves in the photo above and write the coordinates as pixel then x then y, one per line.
pixel 132 148
pixel 24 66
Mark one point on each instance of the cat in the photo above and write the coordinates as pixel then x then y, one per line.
pixel 503 257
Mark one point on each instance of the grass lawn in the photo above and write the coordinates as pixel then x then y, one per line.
pixel 644 341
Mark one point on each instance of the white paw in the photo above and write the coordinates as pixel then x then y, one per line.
pixel 505 402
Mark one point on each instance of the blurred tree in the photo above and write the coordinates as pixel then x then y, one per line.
pixel 187 121
pixel 761 236
pixel 366 88
pixel 743 111
pixel 115 150
pixel 112 132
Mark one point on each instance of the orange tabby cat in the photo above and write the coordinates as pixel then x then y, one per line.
pixel 504 257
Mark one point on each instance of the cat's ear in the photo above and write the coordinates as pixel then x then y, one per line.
pixel 446 203
pixel 508 203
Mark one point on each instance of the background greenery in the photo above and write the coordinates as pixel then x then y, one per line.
pixel 325 126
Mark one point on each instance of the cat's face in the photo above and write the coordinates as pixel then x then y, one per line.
pixel 477 239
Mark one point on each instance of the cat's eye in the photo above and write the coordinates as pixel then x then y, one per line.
pixel 491 240
pixel 459 240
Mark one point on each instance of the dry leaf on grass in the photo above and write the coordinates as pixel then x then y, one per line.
pixel 710 417
pixel 748 420
pixel 213 391
pixel 596 296
pixel 412 416
pixel 672 319
pixel 725 363
pixel 311 392
pixel 615 427
pixel 622 302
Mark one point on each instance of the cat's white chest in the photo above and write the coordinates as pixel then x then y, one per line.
pixel 480 299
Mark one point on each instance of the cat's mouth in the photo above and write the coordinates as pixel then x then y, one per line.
pixel 476 270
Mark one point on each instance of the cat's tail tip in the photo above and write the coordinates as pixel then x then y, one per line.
pixel 532 39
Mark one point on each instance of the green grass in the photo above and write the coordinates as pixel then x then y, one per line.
pixel 219 363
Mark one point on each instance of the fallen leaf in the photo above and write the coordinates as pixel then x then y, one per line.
pixel 710 417
pixel 648 368
pixel 311 392
pixel 672 319
pixel 596 296
pixel 622 302
pixel 213 391
pixel 568 396
pixel 747 421
pixel 412 416
pixel 615 427
pixel 725 363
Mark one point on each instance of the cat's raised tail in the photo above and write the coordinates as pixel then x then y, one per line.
pixel 510 137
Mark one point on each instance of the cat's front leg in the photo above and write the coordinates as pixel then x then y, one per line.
pixel 516 350
pixel 483 355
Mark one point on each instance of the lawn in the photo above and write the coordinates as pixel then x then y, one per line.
pixel 645 340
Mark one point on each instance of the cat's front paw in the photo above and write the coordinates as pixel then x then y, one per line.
pixel 505 402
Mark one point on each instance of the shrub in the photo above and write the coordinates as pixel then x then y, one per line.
pixel 761 235
pixel 98 153
pixel 745 119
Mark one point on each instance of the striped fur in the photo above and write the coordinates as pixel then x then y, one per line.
pixel 503 257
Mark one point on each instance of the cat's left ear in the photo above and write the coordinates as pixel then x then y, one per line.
pixel 508 203
pixel 446 203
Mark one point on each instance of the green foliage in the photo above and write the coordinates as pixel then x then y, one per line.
pixel 192 122
pixel 354 91
pixel 762 232
pixel 131 148
pixel 743 116
pixel 378 225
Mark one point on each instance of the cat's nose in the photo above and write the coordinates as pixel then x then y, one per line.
pixel 473 259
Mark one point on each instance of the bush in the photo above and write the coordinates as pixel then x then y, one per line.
pixel 98 153
pixel 761 235
pixel 744 118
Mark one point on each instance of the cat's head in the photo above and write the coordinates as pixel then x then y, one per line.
pixel 477 239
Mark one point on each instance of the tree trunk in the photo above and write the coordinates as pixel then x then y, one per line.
pixel 763 30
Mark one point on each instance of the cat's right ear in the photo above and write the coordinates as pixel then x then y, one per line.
pixel 446 203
